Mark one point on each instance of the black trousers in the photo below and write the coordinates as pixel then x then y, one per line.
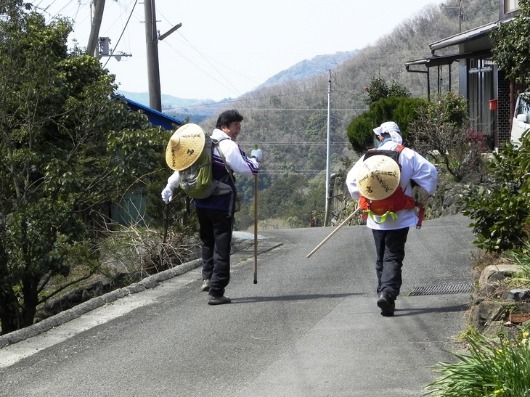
pixel 390 252
pixel 216 237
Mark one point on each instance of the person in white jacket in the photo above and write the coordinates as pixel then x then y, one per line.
pixel 216 213
pixel 390 234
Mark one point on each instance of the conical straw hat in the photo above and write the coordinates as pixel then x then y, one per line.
pixel 378 177
pixel 185 146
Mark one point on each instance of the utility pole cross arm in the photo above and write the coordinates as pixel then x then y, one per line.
pixel 163 36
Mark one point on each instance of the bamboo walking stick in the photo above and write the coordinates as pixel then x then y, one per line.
pixel 166 222
pixel 256 229
pixel 333 232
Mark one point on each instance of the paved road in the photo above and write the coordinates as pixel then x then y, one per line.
pixel 309 327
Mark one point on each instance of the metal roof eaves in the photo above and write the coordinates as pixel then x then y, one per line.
pixel 465 36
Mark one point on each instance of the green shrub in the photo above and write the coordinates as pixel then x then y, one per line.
pixel 500 214
pixel 402 110
pixel 360 132
pixel 379 89
pixel 442 131
pixel 492 368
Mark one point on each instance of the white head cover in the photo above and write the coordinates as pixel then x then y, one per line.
pixel 396 137
pixel 391 128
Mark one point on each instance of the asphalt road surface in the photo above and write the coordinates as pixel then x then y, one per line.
pixel 309 327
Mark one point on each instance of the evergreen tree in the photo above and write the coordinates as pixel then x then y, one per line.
pixel 67 149
pixel 511 50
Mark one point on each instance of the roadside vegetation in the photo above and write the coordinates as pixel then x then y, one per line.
pixel 491 367
pixel 499 365
pixel 70 152
pixel 496 365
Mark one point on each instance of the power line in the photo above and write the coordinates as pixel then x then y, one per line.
pixel 123 30
pixel 267 109
pixel 295 143
pixel 198 67
pixel 285 172
pixel 210 63
pixel 256 98
pixel 226 84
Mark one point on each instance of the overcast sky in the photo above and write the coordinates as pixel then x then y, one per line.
pixel 226 48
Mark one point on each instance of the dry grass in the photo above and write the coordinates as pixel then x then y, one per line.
pixel 128 255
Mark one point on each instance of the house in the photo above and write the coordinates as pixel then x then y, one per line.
pixel 491 97
pixel 131 209
pixel 155 117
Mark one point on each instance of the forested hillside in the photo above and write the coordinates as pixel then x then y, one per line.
pixel 309 68
pixel 289 121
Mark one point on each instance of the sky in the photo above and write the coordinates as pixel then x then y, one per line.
pixel 226 48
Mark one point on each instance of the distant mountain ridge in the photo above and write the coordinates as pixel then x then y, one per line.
pixel 196 110
pixel 168 101
pixel 310 67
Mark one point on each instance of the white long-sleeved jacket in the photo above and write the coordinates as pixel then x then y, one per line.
pixel 413 167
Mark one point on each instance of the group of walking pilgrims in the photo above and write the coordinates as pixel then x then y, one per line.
pixel 381 181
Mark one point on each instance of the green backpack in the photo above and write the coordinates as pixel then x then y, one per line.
pixel 197 180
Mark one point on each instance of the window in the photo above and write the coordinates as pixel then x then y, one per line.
pixel 523 105
pixel 481 90
pixel 510 6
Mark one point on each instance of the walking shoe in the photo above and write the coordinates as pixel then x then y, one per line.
pixel 205 285
pixel 218 300
pixel 386 304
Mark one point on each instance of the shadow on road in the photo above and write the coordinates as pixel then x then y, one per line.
pixel 421 310
pixel 254 299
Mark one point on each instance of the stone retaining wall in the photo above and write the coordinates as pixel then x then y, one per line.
pixel 497 307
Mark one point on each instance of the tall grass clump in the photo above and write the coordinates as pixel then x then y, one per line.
pixel 521 258
pixel 492 368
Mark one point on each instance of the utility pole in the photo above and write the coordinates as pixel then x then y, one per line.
pixel 153 70
pixel 99 46
pixel 93 40
pixel 328 190
pixel 460 16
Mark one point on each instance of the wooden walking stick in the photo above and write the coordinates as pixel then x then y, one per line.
pixel 166 222
pixel 333 232
pixel 256 229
